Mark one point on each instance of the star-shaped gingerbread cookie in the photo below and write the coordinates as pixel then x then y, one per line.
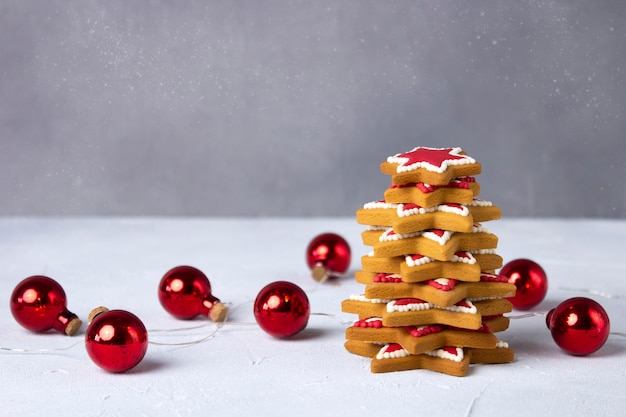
pixel 410 217
pixel 435 166
pixel 435 243
pixel 460 190
pixel 462 266
pixel 465 314
pixel 449 360
pixel 443 291
pixel 420 339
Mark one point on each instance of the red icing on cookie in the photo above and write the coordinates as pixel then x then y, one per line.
pixel 426 188
pixel 486 277
pixel 464 304
pixel 485 328
pixel 461 182
pixel 410 206
pixel 438 232
pixel 463 254
pixel 407 301
pixel 372 323
pixel 393 347
pixel 439 158
pixel 443 287
pixel 454 205
pixel 424 331
pixel 387 278
pixel 465 180
pixel 451 350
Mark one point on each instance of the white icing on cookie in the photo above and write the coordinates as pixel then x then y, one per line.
pixel 444 354
pixel 417 260
pixel 477 202
pixel 418 305
pixel 464 257
pixel 439 236
pixel 389 235
pixel 384 353
pixel 362 297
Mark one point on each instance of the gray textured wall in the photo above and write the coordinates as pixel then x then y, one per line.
pixel 287 107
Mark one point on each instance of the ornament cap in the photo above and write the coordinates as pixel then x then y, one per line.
pixel 218 312
pixel 73 326
pixel 319 273
pixel 95 312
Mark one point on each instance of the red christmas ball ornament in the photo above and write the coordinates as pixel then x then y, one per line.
pixel 116 340
pixel 185 292
pixel 531 282
pixel 282 309
pixel 579 325
pixel 328 256
pixel 38 303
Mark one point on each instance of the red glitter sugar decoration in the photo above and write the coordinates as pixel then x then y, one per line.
pixel 328 255
pixel 38 303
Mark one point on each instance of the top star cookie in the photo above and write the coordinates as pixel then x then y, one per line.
pixel 436 166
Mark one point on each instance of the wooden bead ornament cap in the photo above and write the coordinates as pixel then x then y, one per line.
pixel 73 326
pixel 218 312
pixel 95 312
pixel 319 273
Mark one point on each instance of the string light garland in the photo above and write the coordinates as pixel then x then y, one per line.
pixel 117 340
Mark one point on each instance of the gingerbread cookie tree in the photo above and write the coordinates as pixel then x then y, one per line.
pixel 431 298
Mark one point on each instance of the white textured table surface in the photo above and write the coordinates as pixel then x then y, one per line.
pixel 118 262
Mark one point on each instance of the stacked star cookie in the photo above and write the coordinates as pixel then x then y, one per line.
pixel 431 299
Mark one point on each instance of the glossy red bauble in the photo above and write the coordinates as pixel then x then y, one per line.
pixel 579 325
pixel 38 303
pixel 116 340
pixel 185 292
pixel 328 255
pixel 282 309
pixel 531 282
